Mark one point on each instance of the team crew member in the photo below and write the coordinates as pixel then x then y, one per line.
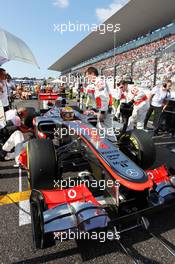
pixel 80 95
pixel 103 100
pixel 16 117
pixel 90 90
pixel 15 141
pixel 158 98
pixel 140 108
pixel 4 89
pixel 121 96
pixel 14 129
pixel 14 120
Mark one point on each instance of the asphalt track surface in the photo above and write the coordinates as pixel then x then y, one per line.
pixel 15 228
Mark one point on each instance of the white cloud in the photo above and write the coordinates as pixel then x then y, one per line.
pixel 61 3
pixel 105 13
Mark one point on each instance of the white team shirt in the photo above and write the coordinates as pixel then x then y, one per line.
pixel 102 93
pixel 159 96
pixel 90 88
pixel 11 115
pixel 139 96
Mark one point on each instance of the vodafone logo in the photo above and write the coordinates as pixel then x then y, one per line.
pixel 72 194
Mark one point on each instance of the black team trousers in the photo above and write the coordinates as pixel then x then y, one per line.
pixel 157 117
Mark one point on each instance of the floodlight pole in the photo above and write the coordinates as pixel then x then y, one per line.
pixel 114 36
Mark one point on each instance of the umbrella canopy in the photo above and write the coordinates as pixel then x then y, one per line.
pixel 57 81
pixel 13 48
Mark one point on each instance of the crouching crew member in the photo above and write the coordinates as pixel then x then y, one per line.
pixel 140 107
pixel 14 134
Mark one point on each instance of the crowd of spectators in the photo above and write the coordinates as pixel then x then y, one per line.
pixel 140 62
pixel 166 67
pixel 144 70
pixel 26 91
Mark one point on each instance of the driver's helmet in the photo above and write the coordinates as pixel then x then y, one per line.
pixel 67 113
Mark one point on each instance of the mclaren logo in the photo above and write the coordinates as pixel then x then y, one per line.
pixel 132 172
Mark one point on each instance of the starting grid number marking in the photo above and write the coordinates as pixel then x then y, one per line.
pixel 17 197
pixel 24 213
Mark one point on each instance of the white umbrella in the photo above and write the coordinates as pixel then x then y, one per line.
pixel 13 48
pixel 57 81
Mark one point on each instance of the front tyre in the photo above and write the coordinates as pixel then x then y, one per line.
pixel 37 207
pixel 139 147
pixel 41 163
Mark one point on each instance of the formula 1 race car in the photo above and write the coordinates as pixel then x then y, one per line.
pixel 83 182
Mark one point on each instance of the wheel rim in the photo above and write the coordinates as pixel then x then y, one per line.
pixel 131 148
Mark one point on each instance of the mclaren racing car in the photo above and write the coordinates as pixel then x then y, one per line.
pixel 82 182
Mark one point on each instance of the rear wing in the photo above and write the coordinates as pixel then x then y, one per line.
pixel 48 96
pixel 47 100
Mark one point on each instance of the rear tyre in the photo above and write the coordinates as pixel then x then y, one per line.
pixel 139 147
pixel 42 164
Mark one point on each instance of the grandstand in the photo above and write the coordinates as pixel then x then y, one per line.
pixel 139 51
pixel 133 44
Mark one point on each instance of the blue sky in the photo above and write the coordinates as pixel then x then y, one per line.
pixel 33 21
